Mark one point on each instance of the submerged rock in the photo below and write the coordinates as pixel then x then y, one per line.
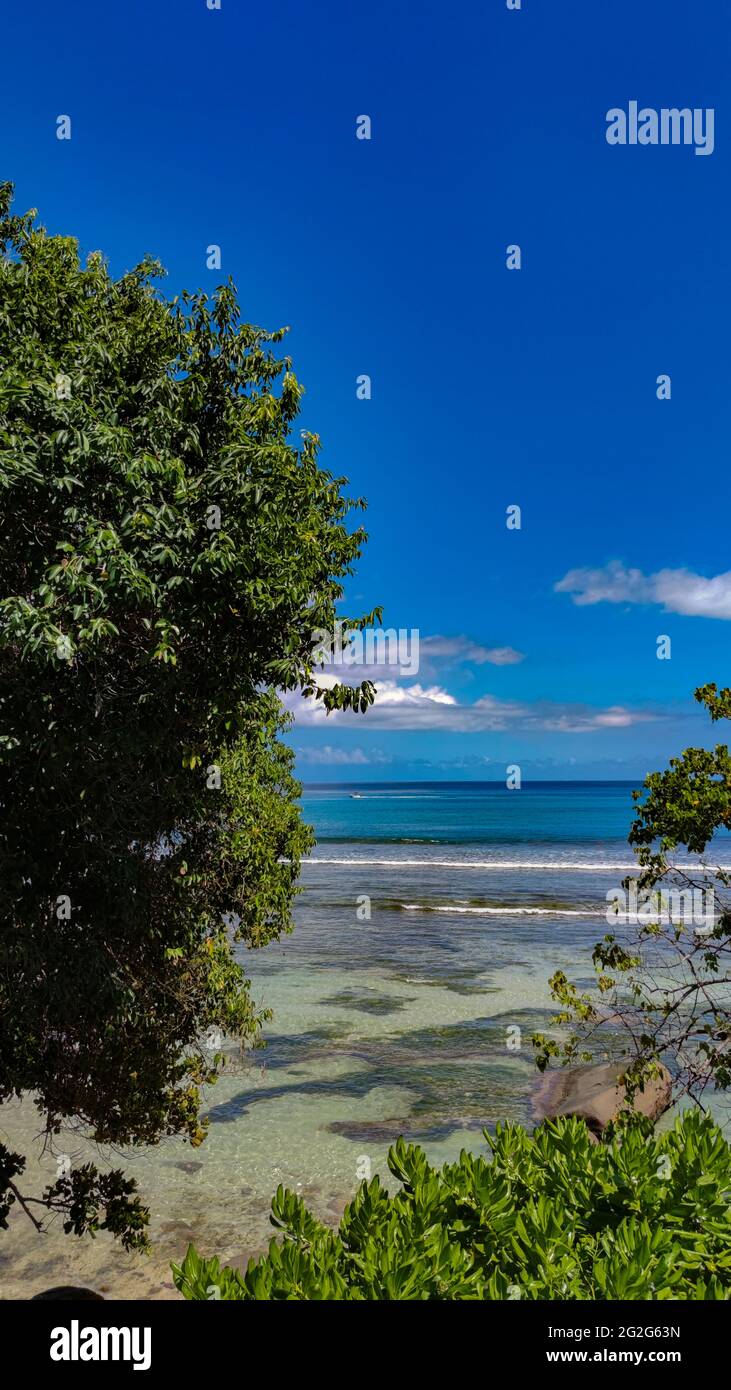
pixel 596 1094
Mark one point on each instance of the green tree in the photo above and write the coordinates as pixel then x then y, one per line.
pixel 663 989
pixel 166 553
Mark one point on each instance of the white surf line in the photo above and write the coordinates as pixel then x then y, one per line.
pixel 469 864
pixel 592 867
pixel 507 911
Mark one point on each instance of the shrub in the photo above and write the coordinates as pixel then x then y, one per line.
pixel 552 1216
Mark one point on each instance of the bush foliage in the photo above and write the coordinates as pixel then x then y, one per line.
pixel 551 1216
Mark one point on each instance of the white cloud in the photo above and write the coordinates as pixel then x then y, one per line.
pixel 435 653
pixel 432 707
pixel 454 649
pixel 503 656
pixel 340 756
pixel 677 591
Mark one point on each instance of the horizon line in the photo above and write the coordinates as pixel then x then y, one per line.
pixel 483 782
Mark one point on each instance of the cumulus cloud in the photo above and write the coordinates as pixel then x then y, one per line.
pixel 432 707
pixel 676 591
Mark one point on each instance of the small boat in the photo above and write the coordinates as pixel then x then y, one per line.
pixel 356 796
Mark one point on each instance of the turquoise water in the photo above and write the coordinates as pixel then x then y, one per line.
pixel 479 813
pixel 430 920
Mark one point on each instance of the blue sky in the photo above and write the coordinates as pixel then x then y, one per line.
pixel 490 387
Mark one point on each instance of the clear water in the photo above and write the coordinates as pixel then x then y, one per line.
pixel 390 1023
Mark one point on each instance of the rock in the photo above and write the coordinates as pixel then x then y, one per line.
pixel 69 1291
pixel 596 1094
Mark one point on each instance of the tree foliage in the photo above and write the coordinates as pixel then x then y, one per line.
pixel 166 552
pixel 552 1216
pixel 663 992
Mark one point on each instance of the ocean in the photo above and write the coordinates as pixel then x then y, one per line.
pixel 430 918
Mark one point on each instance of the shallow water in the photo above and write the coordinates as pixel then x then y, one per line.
pixel 390 1023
